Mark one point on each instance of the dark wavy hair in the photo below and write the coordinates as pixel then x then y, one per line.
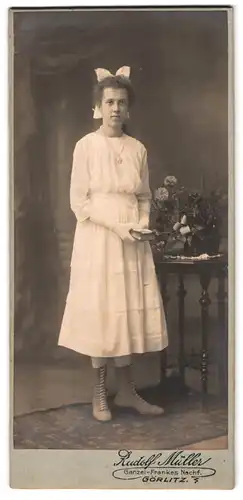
pixel 114 82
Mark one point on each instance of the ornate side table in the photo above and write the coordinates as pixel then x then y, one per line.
pixel 205 270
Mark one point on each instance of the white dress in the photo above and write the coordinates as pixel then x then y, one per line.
pixel 114 306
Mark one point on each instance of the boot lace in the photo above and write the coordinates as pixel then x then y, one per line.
pixel 134 392
pixel 101 390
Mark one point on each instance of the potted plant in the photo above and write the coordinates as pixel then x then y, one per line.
pixel 186 223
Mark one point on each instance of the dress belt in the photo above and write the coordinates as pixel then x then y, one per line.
pixel 131 197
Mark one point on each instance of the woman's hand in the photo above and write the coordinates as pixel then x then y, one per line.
pixel 123 231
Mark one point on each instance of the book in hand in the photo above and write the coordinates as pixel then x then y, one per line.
pixel 142 234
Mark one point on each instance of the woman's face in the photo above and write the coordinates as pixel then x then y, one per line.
pixel 114 107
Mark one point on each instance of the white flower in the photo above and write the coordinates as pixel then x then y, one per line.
pixel 176 226
pixel 170 180
pixel 185 230
pixel 161 194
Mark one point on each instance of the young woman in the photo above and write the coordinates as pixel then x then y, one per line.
pixel 114 307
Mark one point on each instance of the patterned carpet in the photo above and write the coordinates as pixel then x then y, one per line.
pixel 72 427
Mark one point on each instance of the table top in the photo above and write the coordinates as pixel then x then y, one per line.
pixel 177 263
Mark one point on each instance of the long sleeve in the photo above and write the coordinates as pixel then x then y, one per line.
pixel 144 195
pixel 79 185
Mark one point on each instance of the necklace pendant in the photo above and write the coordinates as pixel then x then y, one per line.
pixel 119 161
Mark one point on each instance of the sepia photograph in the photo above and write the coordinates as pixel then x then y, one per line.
pixel 121 182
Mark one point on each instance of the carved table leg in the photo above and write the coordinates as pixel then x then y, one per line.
pixel 181 326
pixel 223 336
pixel 163 280
pixel 164 291
pixel 205 303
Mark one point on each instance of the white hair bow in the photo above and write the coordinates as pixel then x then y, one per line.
pixel 101 74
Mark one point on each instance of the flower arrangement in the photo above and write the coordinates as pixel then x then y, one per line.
pixel 186 223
